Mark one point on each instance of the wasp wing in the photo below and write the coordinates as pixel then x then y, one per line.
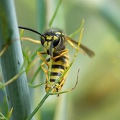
pixel 86 50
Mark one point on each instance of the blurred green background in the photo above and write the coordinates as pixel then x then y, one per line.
pixel 97 95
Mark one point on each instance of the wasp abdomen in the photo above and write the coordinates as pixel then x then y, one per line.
pixel 58 67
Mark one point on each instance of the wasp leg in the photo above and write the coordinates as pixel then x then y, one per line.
pixel 44 70
pixel 63 52
pixel 45 62
pixel 40 54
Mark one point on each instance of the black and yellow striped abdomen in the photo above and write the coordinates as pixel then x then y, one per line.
pixel 58 67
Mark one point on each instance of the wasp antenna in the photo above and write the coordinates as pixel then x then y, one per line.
pixel 32 30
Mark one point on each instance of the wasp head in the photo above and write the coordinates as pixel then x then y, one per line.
pixel 53 41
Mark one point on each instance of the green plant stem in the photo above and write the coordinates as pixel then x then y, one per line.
pixel 53 17
pixel 39 105
pixel 78 30
pixel 41 11
pixel 12 61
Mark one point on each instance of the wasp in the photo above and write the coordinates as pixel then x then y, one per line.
pixel 54 44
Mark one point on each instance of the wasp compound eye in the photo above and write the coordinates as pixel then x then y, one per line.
pixel 56 42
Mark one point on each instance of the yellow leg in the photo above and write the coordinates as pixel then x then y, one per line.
pixel 44 70
pixel 40 54
pixel 62 53
pixel 45 62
